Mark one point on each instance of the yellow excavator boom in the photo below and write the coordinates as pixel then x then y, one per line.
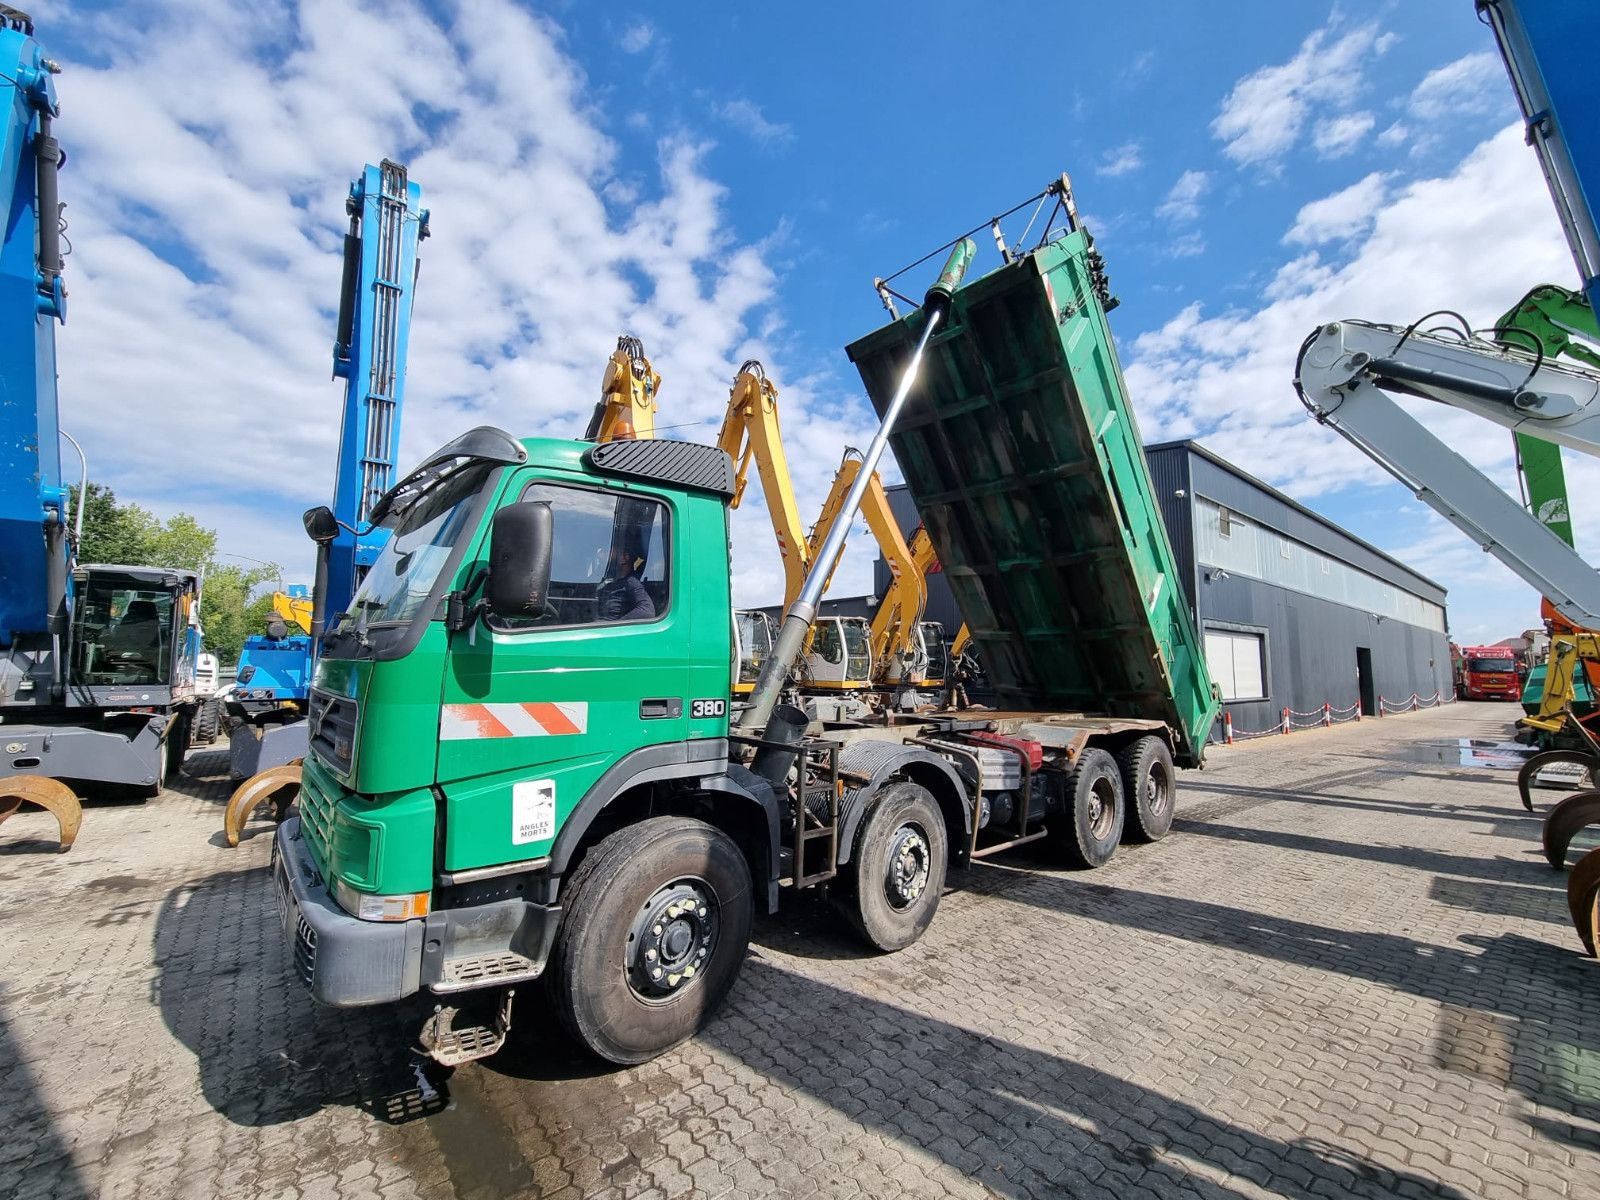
pixel 925 561
pixel 295 610
pixel 750 433
pixel 627 405
pixel 894 625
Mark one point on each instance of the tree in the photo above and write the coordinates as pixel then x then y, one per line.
pixel 126 534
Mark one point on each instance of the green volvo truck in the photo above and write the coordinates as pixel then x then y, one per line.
pixel 525 766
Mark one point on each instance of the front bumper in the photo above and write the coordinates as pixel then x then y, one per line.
pixel 345 962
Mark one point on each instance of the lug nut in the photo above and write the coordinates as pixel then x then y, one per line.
pixel 655 973
pixel 649 956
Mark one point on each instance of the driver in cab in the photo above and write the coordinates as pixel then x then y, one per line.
pixel 621 595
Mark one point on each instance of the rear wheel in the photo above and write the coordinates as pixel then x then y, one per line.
pixel 656 928
pixel 208 721
pixel 1086 834
pixel 897 870
pixel 1149 786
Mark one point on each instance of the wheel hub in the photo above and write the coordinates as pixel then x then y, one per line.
pixel 672 939
pixel 906 874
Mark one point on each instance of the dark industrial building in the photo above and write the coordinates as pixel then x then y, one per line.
pixel 1295 611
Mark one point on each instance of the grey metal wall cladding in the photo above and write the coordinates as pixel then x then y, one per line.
pixel 1169 471
pixel 1253 499
pixel 1311 650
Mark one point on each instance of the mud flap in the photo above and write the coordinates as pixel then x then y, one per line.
pixel 1564 821
pixel 1551 758
pixel 55 797
pixel 278 784
pixel 1583 899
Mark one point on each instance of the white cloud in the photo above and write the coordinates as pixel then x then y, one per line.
pixel 1186 245
pixel 1341 215
pixel 206 264
pixel 747 117
pixel 637 37
pixel 1226 376
pixel 1122 160
pixel 1337 136
pixel 1183 201
pixel 1265 113
pixel 1474 85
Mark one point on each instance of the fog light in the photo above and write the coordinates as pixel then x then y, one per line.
pixel 367 907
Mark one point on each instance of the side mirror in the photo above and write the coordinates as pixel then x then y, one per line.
pixel 519 559
pixel 321 527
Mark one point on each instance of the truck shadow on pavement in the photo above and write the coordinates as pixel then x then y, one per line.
pixel 1534 996
pixel 266 1052
pixel 1019 1121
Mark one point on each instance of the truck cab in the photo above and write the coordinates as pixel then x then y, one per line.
pixel 1489 673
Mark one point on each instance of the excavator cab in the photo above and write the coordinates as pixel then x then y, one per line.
pixel 753 637
pixel 840 658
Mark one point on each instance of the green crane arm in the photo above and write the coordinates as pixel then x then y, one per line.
pixel 1556 319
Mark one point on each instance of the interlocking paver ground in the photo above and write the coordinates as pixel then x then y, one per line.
pixel 1348 972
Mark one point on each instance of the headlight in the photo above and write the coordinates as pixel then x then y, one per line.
pixel 368 907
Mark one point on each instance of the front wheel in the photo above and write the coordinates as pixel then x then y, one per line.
pixel 656 928
pixel 897 872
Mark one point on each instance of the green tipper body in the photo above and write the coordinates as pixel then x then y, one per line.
pixel 471 721
pixel 1020 448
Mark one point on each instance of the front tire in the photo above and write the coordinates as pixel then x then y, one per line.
pixel 656 928
pixel 898 868
pixel 1087 833
pixel 1149 786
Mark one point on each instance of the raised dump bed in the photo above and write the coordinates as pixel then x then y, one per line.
pixel 1020 449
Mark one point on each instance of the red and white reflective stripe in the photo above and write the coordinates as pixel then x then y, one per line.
pixel 458 722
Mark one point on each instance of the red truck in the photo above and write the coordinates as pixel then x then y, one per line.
pixel 1487 673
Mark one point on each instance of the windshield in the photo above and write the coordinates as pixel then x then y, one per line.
pixel 123 634
pixel 858 646
pixel 1491 664
pixel 399 582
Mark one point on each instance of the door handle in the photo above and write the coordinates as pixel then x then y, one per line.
pixel 664 708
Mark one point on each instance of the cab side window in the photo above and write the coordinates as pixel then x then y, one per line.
pixel 608 563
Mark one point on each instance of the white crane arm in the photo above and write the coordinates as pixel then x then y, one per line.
pixel 1342 375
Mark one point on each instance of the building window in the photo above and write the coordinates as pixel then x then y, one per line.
pixel 1224 522
pixel 1237 662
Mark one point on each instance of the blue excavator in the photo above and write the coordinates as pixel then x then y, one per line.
pixel 97 662
pixel 268 704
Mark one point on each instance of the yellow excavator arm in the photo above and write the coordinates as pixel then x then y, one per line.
pixel 627 405
pixel 894 625
pixel 925 561
pixel 750 433
pixel 295 610
pixel 1569 651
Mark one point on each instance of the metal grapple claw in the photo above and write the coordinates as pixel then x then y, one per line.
pixel 55 797
pixel 1583 899
pixel 278 784
pixel 1564 821
pixel 1551 758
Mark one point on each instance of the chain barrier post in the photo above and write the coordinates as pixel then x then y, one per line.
pixel 1327 714
pixel 1227 729
pixel 1286 722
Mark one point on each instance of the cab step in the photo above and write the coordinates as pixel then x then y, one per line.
pixel 480 970
pixel 451 1047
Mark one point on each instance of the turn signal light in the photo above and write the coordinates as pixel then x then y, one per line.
pixel 407 906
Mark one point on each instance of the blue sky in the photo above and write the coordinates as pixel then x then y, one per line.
pixel 726 184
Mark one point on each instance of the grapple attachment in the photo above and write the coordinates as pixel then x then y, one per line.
pixel 55 797
pixel 278 784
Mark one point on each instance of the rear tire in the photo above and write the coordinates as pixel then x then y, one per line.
pixel 656 928
pixel 898 868
pixel 1087 833
pixel 208 721
pixel 1150 789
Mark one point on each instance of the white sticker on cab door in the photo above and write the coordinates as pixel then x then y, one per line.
pixel 533 811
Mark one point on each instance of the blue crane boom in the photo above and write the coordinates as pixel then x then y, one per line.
pixel 1548 47
pixel 33 542
pixel 387 221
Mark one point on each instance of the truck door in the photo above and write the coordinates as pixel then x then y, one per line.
pixel 534 711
